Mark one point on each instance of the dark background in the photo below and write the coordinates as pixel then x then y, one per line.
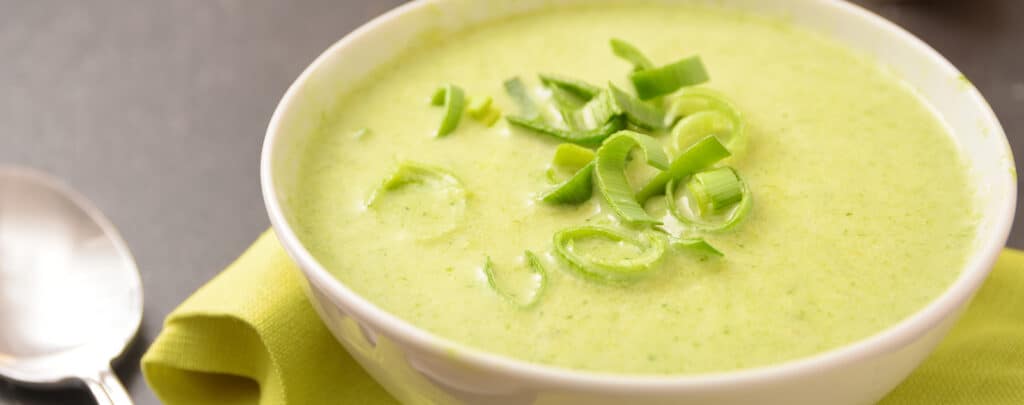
pixel 157 109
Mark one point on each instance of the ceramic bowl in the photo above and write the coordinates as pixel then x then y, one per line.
pixel 418 367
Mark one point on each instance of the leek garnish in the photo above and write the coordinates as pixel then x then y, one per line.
pixel 631 54
pixel 578 88
pixel 697 99
pixel 454 100
pixel 478 107
pixel 615 102
pixel 517 90
pixel 483 110
pixel 651 245
pixel 572 157
pixel 569 95
pixel 697 245
pixel 611 177
pixel 437 99
pixel 705 112
pixel 656 82
pixel 591 137
pixel 538 273
pixel 714 190
pixel 706 218
pixel 705 129
pixel 416 173
pixel 566 101
pixel 577 189
pixel 591 123
pixel 492 116
pixel 598 110
pixel 568 106
pixel 409 174
pixel 638 113
pixel 702 154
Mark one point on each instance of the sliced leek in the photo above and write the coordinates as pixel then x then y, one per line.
pixel 537 272
pixel 590 137
pixel 451 196
pixel 454 101
pixel 631 54
pixel 715 190
pixel 697 245
pixel 579 88
pixel 699 112
pixel 611 177
pixel 707 221
pixel 577 189
pixel 651 245
pixel 521 95
pixel 702 154
pixel 572 157
pixel 660 81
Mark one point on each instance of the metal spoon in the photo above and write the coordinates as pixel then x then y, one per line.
pixel 70 295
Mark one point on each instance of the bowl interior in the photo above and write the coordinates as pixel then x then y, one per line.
pixel 972 124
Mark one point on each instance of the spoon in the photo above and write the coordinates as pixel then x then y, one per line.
pixel 70 295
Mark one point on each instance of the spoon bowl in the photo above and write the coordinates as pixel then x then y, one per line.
pixel 70 293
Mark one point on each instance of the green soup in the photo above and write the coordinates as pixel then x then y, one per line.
pixel 862 208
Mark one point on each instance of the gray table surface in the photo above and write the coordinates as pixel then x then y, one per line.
pixel 156 110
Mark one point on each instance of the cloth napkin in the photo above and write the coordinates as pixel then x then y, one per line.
pixel 249 336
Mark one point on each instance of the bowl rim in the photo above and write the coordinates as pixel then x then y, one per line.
pixel 973 274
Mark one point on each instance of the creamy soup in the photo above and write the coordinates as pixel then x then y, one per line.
pixel 862 212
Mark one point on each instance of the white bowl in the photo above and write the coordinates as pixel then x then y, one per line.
pixel 419 367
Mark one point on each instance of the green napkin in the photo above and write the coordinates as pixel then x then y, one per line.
pixel 250 337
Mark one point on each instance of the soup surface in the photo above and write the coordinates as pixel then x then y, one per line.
pixel 862 209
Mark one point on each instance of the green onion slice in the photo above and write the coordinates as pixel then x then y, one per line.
pixel 598 110
pixel 578 88
pixel 697 245
pixel 409 173
pixel 569 107
pixel 631 54
pixel 652 247
pixel 696 99
pixel 705 112
pixel 537 273
pixel 446 187
pixel 638 112
pixel 702 154
pixel 517 90
pixel 569 96
pixel 576 190
pixel 565 100
pixel 707 218
pixel 715 190
pixel 656 82
pixel 572 157
pixel 437 99
pixel 491 117
pixel 483 110
pixel 579 187
pixel 454 101
pixel 702 124
pixel 611 177
pixel 614 102
pixel 479 107
pixel 591 137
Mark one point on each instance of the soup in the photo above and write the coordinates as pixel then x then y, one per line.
pixel 856 207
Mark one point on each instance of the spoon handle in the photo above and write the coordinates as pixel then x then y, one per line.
pixel 107 388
